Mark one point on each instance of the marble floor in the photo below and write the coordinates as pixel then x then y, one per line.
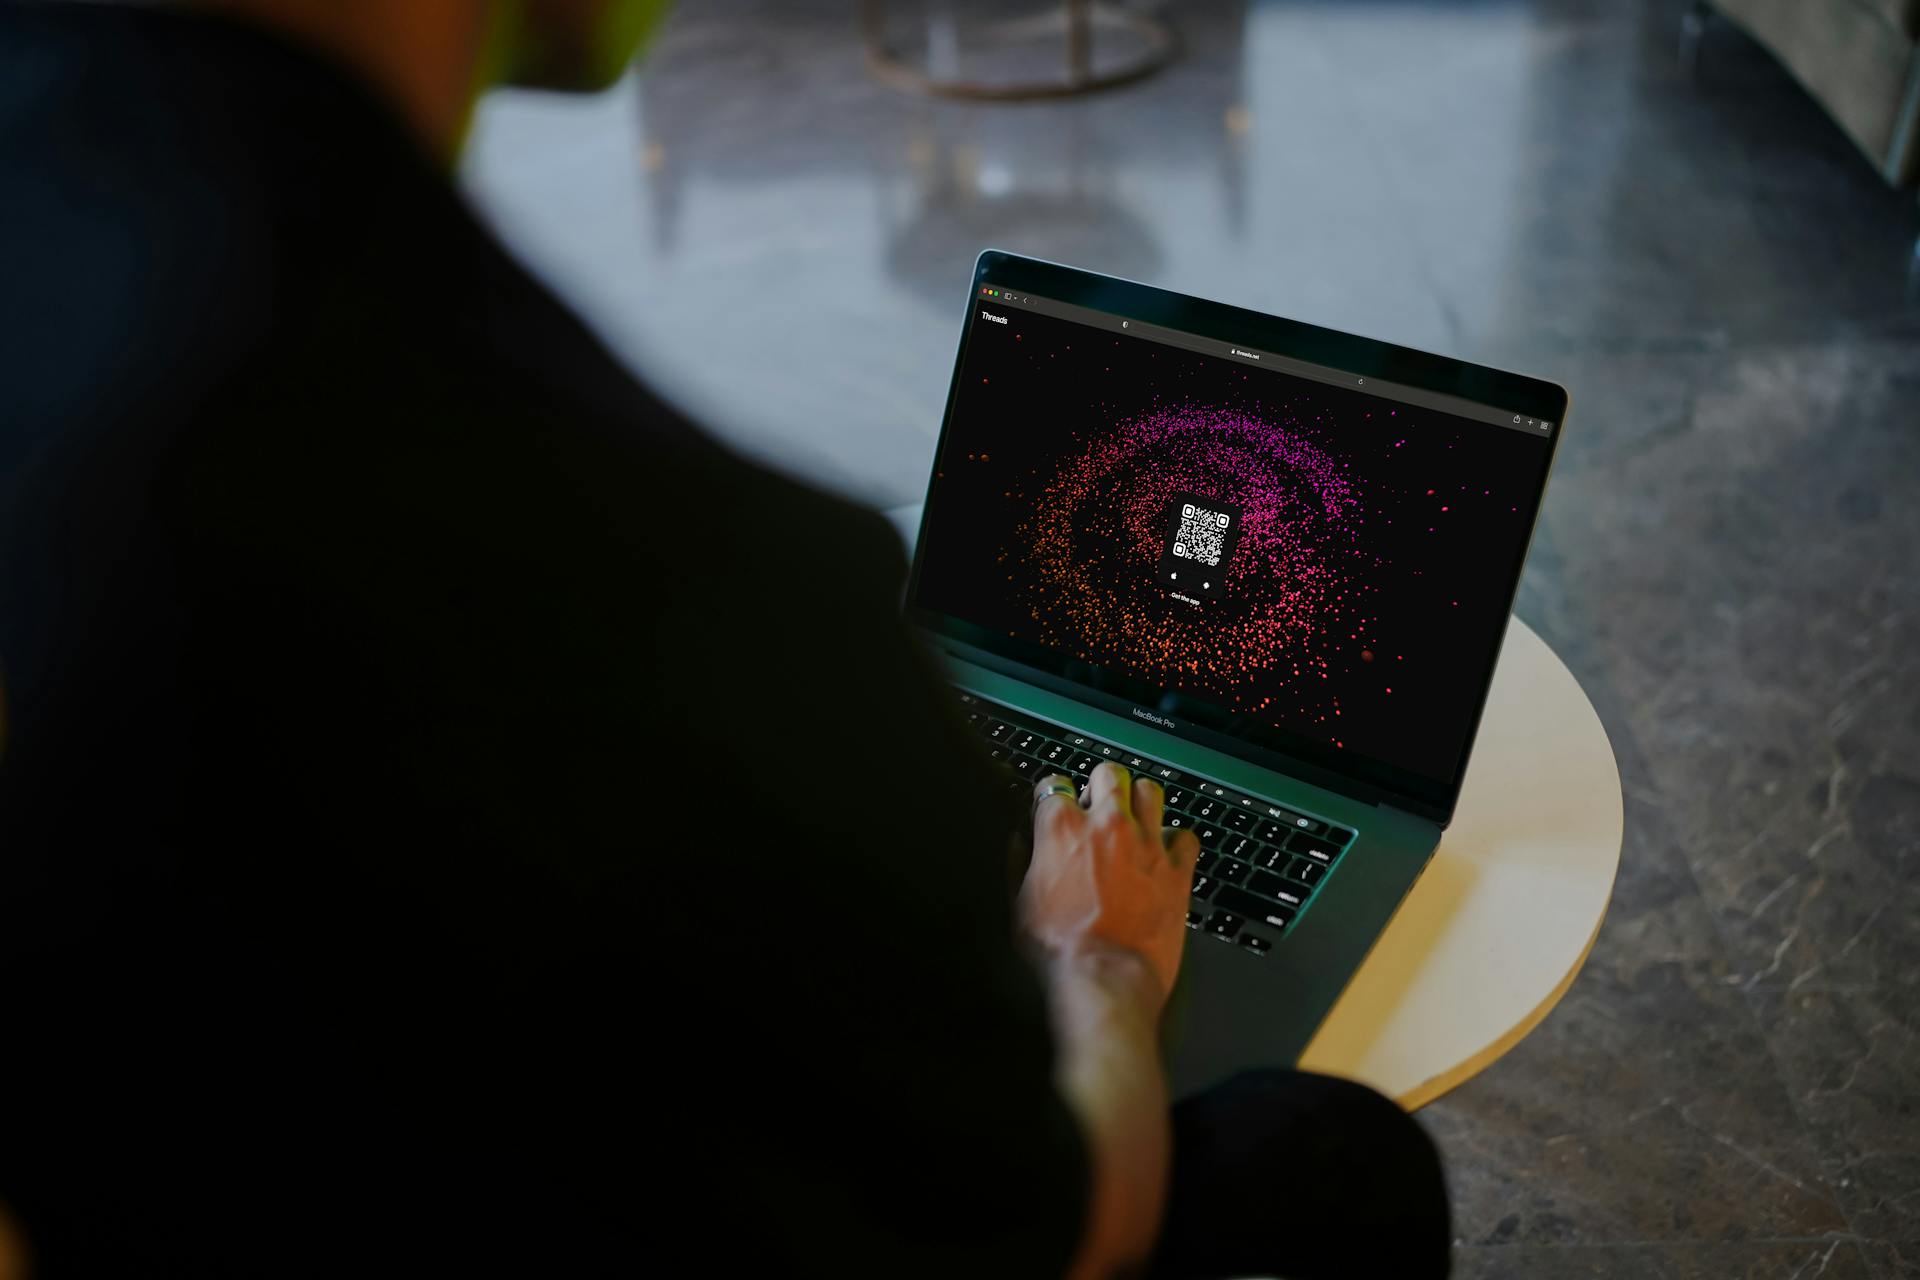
pixel 1729 559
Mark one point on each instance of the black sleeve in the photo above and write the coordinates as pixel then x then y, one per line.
pixel 890 993
pixel 688 810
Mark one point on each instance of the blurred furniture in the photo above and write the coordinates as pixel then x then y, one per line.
pixel 1860 59
pixel 1498 925
pixel 1072 22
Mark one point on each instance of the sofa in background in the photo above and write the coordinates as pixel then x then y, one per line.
pixel 1859 58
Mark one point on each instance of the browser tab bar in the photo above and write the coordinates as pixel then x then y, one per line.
pixel 1274 360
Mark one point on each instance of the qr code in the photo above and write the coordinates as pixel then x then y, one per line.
pixel 1202 534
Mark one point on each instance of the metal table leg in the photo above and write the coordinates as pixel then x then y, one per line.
pixel 1078 21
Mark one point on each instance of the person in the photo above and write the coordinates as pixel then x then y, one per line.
pixel 461 819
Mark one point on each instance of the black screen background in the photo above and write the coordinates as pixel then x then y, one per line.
pixel 1432 586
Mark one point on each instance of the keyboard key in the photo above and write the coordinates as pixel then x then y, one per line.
pixel 1178 797
pixel 1272 858
pixel 1205 862
pixel 1194 919
pixel 1224 924
pixel 1237 820
pixel 1293 821
pixel 1269 831
pixel 1244 848
pixel 1254 908
pixel 1027 767
pixel 1202 886
pixel 1167 773
pixel 1139 764
pixel 1228 869
pixel 1176 821
pixel 1252 941
pixel 1312 846
pixel 1083 763
pixel 1209 807
pixel 1210 836
pixel 998 730
pixel 1026 740
pixel 999 755
pixel 1339 835
pixel 1056 753
pixel 1306 871
pixel 1269 885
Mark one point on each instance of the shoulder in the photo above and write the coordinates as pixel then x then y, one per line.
pixel 152 167
pixel 228 267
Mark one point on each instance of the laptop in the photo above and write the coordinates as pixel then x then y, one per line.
pixel 1267 563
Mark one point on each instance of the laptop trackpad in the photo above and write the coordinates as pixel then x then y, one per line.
pixel 1228 1014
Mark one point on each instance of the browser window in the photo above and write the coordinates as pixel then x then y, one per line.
pixel 1277 550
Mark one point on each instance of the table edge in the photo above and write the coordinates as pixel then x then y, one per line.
pixel 1439 1086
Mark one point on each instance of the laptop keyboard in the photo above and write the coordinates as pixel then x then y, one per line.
pixel 1260 863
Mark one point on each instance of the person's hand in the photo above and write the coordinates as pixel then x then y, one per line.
pixel 1105 874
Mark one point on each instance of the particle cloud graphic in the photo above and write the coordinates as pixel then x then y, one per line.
pixel 1259 631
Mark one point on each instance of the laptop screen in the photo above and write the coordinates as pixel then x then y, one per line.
pixel 1309 561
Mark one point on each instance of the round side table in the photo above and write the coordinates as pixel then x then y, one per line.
pixel 1497 927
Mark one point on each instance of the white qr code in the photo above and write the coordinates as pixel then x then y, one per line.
pixel 1201 534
